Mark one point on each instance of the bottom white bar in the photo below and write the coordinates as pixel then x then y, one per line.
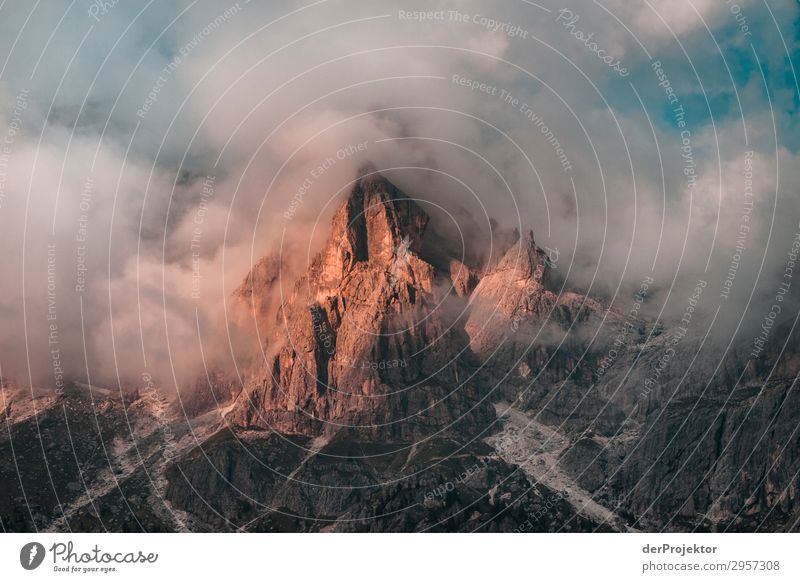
pixel 356 557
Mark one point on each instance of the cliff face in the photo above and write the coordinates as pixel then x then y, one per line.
pixel 708 440
pixel 366 342
pixel 541 345
pixel 255 294
pixel 370 409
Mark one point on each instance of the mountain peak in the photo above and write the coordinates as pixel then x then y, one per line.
pixel 374 223
pixel 362 321
pixel 525 258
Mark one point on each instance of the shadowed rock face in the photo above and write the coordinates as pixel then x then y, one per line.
pixel 533 337
pixel 706 447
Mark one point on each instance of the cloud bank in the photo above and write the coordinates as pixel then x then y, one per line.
pixel 151 154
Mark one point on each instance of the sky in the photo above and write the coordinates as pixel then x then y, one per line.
pixel 151 152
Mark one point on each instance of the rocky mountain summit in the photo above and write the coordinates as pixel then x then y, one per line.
pixel 366 341
pixel 406 383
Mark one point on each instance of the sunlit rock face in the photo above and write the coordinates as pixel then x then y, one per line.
pixel 367 340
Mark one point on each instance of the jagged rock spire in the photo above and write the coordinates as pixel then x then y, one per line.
pixel 371 225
